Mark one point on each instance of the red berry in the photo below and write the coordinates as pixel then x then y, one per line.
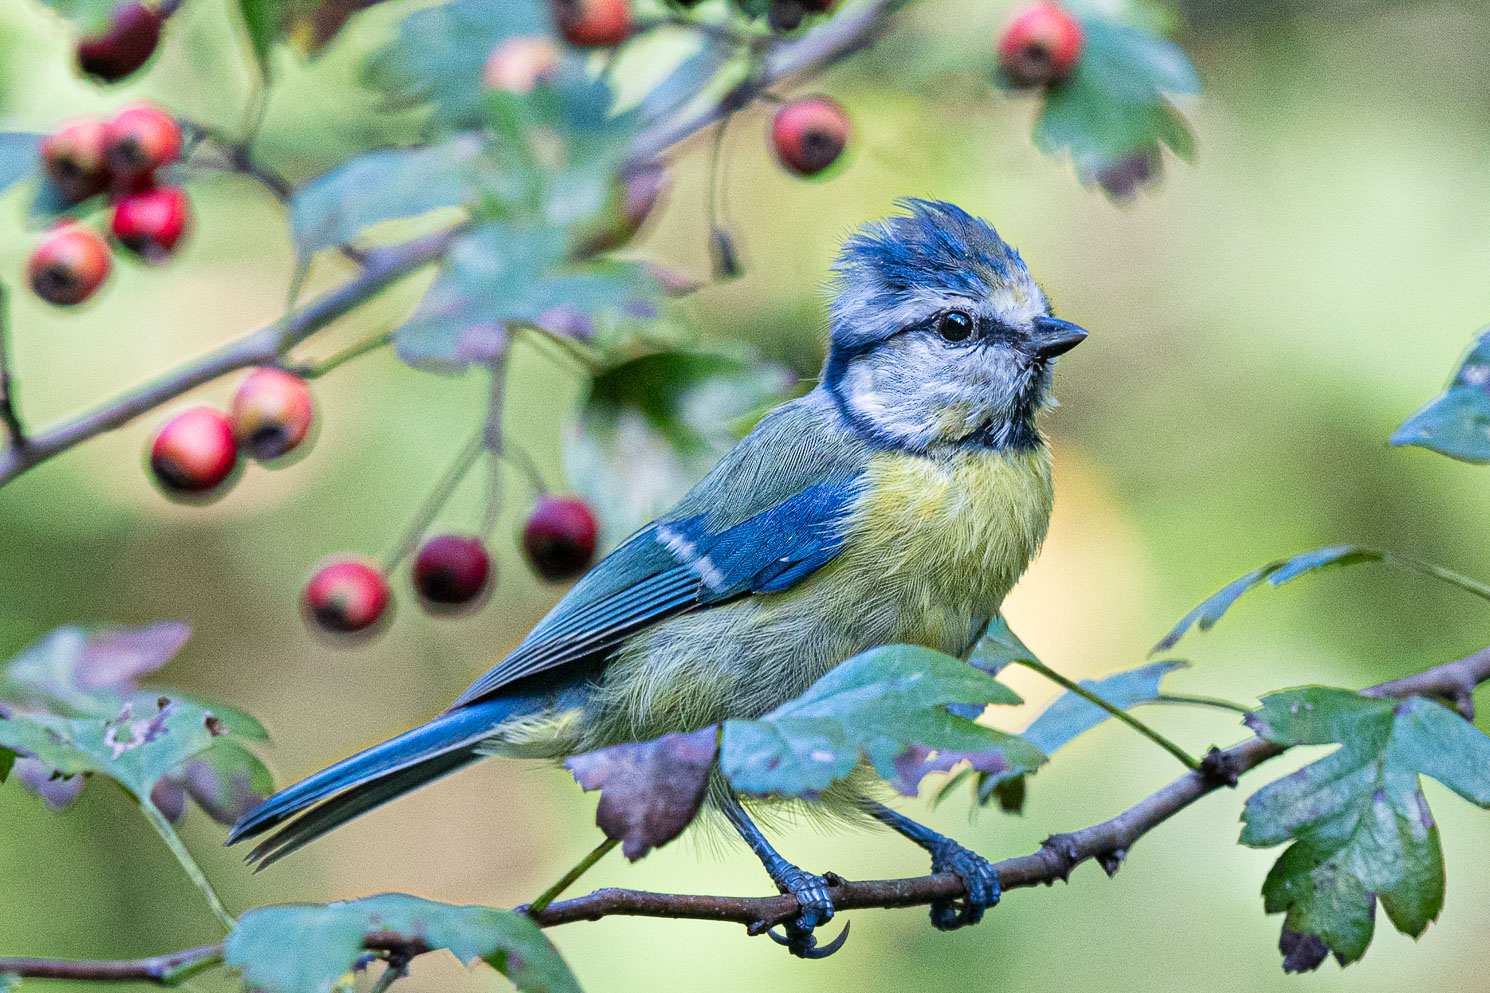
pixel 346 595
pixel 1041 46
pixel 140 139
pixel 69 265
pixel 451 569
pixel 809 133
pixel 74 159
pixel 593 23
pixel 559 537
pixel 818 6
pixel 271 413
pixel 151 222
pixel 125 45
pixel 194 451
pixel 518 64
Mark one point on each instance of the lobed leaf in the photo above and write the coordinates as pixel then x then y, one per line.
pixel 1358 820
pixel 306 948
pixel 1211 609
pixel 887 707
pixel 649 791
pixel 1456 423
pixel 88 16
pixel 78 670
pixel 261 19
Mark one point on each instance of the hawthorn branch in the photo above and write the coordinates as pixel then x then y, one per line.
pixel 850 31
pixel 1107 843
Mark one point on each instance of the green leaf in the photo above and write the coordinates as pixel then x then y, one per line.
pixel 651 790
pixel 886 706
pixel 1456 423
pixel 305 948
pixel 499 274
pixel 89 670
pixel 19 152
pixel 653 426
pixel 226 781
pixel 439 52
pixel 8 982
pixel 262 19
pixel 136 748
pixel 384 185
pixel 689 78
pixel 1115 107
pixel 1276 573
pixel 90 17
pixel 1358 818
pixel 999 647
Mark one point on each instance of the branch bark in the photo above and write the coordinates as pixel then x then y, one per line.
pixel 846 33
pixel 1108 843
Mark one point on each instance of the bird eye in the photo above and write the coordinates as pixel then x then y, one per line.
pixel 954 325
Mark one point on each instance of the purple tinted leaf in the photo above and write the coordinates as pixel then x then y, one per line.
pixel 1011 756
pixel 649 791
pixel 169 797
pixel 84 670
pixel 47 784
pixel 227 781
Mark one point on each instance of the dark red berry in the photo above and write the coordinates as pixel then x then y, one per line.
pixel 520 63
pixel 1041 46
pixel 451 569
pixel 194 451
pixel 786 15
pixel 346 595
pixel 271 413
pixel 124 46
pixel 75 161
pixel 141 139
pixel 809 133
pixel 150 223
pixel 559 537
pixel 592 23
pixel 818 6
pixel 69 265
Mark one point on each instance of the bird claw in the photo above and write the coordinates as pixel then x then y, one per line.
pixel 803 943
pixel 979 877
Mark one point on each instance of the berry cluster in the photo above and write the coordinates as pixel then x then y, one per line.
pixel 120 159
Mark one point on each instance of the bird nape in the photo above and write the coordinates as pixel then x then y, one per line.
pixel 914 474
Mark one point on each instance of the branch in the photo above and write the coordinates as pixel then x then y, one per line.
pixel 853 29
pixel 1107 842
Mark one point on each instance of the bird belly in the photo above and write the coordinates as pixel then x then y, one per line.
pixel 931 549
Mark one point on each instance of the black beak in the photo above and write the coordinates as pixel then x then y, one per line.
pixel 1054 337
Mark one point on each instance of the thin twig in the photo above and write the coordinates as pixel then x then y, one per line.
pixel 437 499
pixel 1195 700
pixel 1190 761
pixel 188 864
pixel 1108 841
pixel 568 879
pixel 316 369
pixel 13 428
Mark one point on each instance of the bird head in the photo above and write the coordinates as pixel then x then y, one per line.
pixel 940 336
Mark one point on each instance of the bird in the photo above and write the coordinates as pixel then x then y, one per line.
pixel 896 502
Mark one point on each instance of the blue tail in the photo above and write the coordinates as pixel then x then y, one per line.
pixel 369 779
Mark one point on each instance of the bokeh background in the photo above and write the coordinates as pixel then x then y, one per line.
pixel 1261 321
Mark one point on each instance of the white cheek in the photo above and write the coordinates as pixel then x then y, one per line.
pixel 891 406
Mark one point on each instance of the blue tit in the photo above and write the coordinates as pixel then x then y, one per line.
pixel 898 502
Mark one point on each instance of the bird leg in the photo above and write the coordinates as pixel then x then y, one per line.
pixel 811 891
pixel 976 872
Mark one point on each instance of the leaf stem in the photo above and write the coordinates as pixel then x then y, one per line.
pixel 188 864
pixel 1190 761
pixel 437 498
pixel 1460 580
pixel 314 370
pixel 580 868
pixel 1203 701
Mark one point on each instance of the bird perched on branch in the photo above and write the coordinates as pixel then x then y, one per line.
pixel 898 502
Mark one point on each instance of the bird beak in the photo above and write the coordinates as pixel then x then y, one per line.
pixel 1054 337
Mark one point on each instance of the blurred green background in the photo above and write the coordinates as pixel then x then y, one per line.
pixel 1261 321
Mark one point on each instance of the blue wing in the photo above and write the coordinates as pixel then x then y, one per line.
pixel 768 516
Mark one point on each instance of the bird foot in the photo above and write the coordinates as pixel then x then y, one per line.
pixel 976 873
pixel 816 906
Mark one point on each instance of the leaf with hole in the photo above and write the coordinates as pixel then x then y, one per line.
pixel 1357 819
pixel 306 948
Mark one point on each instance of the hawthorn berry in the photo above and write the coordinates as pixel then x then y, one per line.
pixel 150 222
pixel 75 161
pixel 346 595
pixel 518 64
pixel 194 452
pixel 141 139
pixel 122 47
pixel 809 133
pixel 69 265
pixel 1041 46
pixel 271 413
pixel 559 537
pixel 786 15
pixel 592 23
pixel 451 570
